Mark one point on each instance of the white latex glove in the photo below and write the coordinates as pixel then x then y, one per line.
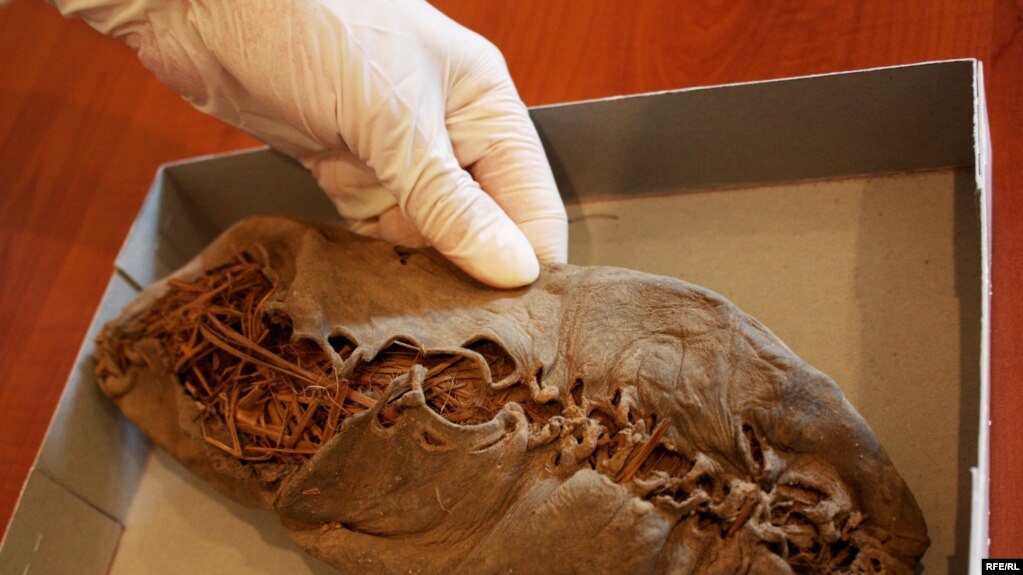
pixel 391 104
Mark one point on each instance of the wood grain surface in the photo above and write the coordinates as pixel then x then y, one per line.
pixel 83 128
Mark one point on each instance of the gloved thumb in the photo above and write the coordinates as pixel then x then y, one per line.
pixel 465 224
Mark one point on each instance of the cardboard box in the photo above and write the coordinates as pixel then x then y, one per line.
pixel 848 212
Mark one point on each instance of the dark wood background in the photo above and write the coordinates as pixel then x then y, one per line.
pixel 83 128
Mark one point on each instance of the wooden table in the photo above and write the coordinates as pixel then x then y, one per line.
pixel 83 128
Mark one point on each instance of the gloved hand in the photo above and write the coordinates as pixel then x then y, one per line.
pixel 391 105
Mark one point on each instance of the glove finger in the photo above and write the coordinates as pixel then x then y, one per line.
pixel 444 207
pixel 515 179
pixel 405 140
pixel 351 185
pixel 493 136
pixel 468 227
pixel 391 226
pixel 412 156
pixel 370 209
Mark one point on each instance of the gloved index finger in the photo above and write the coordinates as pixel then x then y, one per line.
pixel 519 180
pixel 494 137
